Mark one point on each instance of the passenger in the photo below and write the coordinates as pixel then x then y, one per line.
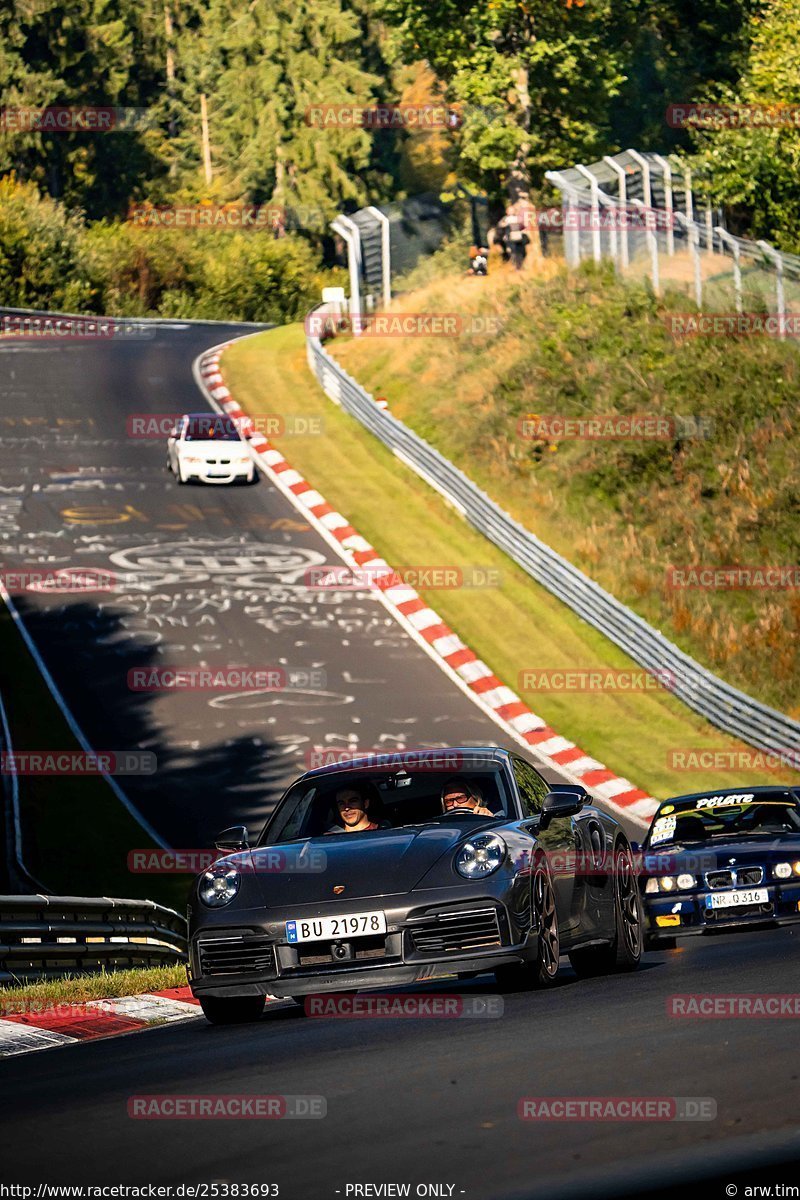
pixel 353 806
pixel 457 793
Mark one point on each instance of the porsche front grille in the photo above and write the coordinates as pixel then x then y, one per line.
pixel 457 931
pixel 314 954
pixel 236 956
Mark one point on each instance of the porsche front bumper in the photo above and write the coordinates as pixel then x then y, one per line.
pixel 423 941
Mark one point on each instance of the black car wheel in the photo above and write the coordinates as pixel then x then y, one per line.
pixel 625 951
pixel 234 1010
pixel 543 971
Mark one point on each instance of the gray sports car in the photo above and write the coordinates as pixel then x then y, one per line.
pixel 397 869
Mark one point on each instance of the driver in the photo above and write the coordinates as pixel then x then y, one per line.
pixel 352 806
pixel 457 793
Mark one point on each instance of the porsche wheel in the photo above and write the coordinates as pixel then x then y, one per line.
pixel 625 951
pixel 542 972
pixel 234 1010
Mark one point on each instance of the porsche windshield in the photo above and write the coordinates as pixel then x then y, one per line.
pixel 706 818
pixel 387 799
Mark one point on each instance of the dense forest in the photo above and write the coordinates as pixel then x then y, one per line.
pixel 212 100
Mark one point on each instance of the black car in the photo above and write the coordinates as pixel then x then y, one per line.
pixel 466 861
pixel 722 860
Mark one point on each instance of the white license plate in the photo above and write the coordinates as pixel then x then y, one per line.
pixel 328 929
pixel 737 899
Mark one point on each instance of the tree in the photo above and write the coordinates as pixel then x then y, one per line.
pixel 89 53
pixel 756 168
pixel 536 79
pixel 263 66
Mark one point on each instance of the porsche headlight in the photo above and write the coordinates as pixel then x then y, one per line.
pixel 480 856
pixel 219 885
pixel 782 870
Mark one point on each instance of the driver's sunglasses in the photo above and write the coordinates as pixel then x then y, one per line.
pixel 456 799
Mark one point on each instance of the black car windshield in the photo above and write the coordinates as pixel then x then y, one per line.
pixel 700 819
pixel 211 429
pixel 394 799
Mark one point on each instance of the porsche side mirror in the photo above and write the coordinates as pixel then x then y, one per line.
pixel 232 839
pixel 563 804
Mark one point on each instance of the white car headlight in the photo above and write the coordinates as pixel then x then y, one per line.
pixel 651 887
pixel 782 870
pixel 686 881
pixel 480 856
pixel 219 885
pixel 667 883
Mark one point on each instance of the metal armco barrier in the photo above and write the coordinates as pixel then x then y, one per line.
pixel 720 703
pixel 45 937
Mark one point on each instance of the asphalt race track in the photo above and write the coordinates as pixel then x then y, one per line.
pixel 216 576
pixel 205 576
pixel 431 1101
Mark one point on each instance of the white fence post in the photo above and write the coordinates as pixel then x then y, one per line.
pixel 644 166
pixel 349 231
pixel 780 298
pixel 652 242
pixel 386 254
pixel 728 240
pixel 693 238
pixel 596 248
pixel 666 172
pixel 572 241
pixel 623 203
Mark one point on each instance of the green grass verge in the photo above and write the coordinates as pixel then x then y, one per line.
pixel 515 626
pixel 584 345
pixel 106 985
pixel 76 834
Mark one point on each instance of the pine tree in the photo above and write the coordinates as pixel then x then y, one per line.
pixel 262 67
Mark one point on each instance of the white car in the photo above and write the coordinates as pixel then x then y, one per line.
pixel 209 448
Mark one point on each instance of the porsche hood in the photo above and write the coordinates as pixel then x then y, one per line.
pixel 382 862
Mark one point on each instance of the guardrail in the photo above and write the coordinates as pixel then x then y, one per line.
pixel 45 937
pixel 15 873
pixel 720 703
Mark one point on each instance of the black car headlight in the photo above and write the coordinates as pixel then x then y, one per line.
pixel 219 885
pixel 480 856
pixel 668 883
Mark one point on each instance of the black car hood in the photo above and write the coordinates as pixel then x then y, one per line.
pixel 716 855
pixel 382 862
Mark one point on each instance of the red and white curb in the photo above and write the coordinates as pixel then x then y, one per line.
pixel 36 1028
pixel 425 625
pixel 43 1028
